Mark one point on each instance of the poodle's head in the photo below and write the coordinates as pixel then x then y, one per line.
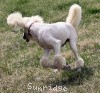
pixel 16 21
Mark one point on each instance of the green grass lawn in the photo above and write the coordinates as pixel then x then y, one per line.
pixel 19 61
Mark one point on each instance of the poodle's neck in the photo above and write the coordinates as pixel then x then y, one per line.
pixel 33 31
pixel 29 24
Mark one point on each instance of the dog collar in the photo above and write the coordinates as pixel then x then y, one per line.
pixel 27 33
pixel 29 28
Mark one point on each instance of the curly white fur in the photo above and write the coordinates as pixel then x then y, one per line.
pixel 16 20
pixel 52 36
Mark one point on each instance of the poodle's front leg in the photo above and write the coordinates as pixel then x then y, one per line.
pixel 44 61
pixel 46 53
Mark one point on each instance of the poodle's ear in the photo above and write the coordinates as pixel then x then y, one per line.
pixel 37 18
pixel 27 21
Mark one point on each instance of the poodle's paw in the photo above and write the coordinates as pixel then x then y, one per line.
pixel 45 62
pixel 59 62
pixel 55 71
pixel 66 67
pixel 79 64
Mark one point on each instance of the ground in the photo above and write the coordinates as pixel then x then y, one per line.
pixel 20 71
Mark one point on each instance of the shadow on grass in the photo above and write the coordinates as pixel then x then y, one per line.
pixel 71 78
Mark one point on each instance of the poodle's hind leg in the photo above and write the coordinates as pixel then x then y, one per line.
pixel 79 60
pixel 58 60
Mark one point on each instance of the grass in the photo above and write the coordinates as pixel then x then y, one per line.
pixel 19 61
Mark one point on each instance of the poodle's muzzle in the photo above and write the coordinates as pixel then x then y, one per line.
pixel 26 37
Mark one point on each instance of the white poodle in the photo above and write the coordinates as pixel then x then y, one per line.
pixel 51 36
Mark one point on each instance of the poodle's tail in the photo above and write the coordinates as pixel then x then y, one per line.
pixel 74 16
